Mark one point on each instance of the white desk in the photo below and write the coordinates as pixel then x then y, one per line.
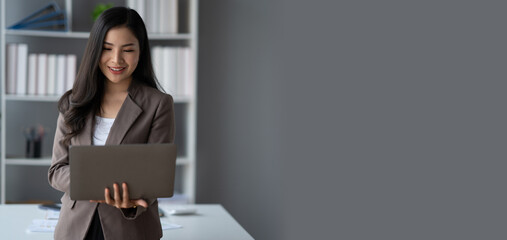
pixel 212 221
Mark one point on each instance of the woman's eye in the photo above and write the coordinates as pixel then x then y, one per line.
pixel 106 48
pixel 128 50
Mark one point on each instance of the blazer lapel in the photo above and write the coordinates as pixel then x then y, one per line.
pixel 127 115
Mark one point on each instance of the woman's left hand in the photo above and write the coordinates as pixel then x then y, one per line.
pixel 121 202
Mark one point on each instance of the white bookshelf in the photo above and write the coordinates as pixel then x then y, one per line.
pixel 187 103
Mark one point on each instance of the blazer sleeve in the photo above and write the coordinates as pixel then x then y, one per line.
pixel 59 171
pixel 161 131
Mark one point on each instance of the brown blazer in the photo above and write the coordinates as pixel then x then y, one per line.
pixel 146 116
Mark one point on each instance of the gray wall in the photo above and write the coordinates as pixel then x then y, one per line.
pixel 354 119
pixel 237 166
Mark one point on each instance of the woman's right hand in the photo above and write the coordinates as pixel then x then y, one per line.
pixel 120 201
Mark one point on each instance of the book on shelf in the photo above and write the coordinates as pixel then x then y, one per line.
pixel 51 83
pixel 56 25
pixel 187 71
pixel 169 74
pixel 49 17
pixel 48 9
pixel 181 74
pixel 38 73
pixel 42 61
pixel 173 68
pixel 21 65
pixel 168 13
pixel 56 73
pixel 160 16
pixel 70 63
pixel 32 73
pixel 17 58
pixel 139 6
pixel 152 20
pixel 157 56
pixel 11 68
pixel 60 74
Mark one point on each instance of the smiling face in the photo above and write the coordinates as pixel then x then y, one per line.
pixel 120 55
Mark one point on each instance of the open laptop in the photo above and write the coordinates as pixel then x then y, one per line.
pixel 148 170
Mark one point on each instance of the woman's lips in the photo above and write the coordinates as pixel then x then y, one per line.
pixel 116 70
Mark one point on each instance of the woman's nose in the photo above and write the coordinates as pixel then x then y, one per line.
pixel 117 57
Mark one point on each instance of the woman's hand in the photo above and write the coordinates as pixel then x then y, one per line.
pixel 121 202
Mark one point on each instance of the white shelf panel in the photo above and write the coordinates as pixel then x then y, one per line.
pixel 169 36
pixel 85 35
pixel 47 161
pixel 32 98
pixel 28 161
pixel 35 98
pixel 182 161
pixel 182 99
pixel 39 33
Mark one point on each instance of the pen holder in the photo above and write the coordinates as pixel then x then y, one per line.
pixel 33 148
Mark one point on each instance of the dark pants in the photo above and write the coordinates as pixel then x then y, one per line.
pixel 95 229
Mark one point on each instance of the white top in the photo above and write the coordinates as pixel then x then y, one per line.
pixel 102 128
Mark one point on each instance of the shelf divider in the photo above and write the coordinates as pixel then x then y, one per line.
pixel 85 35
pixel 180 161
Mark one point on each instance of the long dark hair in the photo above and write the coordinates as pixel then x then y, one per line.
pixel 88 90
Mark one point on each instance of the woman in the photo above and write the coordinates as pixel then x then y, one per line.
pixel 114 100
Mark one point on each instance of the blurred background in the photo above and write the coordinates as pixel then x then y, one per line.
pixel 354 119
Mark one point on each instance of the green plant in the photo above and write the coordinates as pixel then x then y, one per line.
pixel 99 8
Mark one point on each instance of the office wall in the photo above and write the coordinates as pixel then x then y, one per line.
pixel 237 141
pixel 391 125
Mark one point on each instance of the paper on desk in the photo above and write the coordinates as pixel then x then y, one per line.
pixel 50 214
pixel 45 225
pixel 166 226
pixel 42 225
pixel 49 224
